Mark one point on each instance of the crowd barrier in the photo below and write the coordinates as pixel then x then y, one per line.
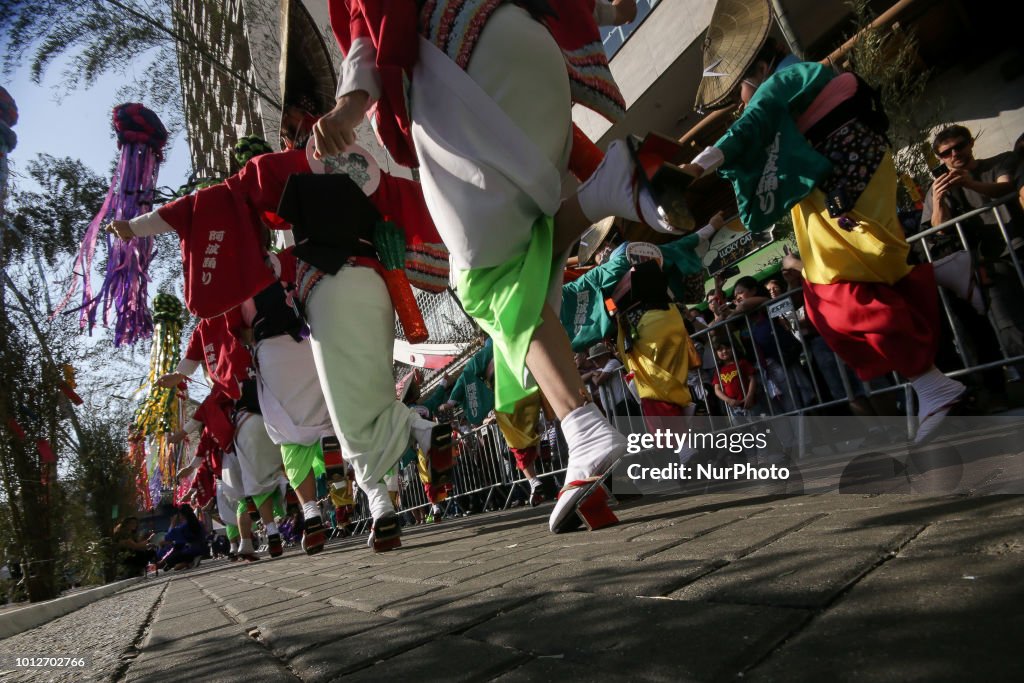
pixel 797 374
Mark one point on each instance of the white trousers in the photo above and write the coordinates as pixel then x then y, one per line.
pixel 493 141
pixel 259 458
pixel 352 330
pixel 293 405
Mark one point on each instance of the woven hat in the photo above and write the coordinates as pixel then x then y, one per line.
pixel 737 31
pixel 306 71
pixel 593 238
pixel 599 349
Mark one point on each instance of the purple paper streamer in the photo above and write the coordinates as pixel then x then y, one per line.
pixel 124 287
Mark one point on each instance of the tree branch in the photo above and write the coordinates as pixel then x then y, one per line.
pixel 198 47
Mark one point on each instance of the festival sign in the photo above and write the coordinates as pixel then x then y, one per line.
pixel 733 243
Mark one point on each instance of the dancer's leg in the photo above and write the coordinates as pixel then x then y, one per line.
pixel 550 361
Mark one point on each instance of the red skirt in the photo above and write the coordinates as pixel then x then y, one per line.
pixel 661 414
pixel 877 328
pixel 524 456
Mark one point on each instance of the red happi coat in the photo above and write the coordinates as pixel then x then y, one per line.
pixel 215 344
pixel 215 414
pixel 391 26
pixel 221 232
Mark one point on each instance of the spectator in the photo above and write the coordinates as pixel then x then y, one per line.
pixel 970 183
pixel 775 287
pixel 735 383
pixel 609 381
pixel 133 552
pixel 777 348
pixel 186 542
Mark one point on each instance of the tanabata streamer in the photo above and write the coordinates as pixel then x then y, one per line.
pixel 160 412
pixel 141 138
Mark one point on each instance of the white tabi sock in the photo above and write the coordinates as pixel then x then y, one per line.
pixel 534 483
pixel 379 500
pixel 271 528
pixel 234 547
pixel 245 547
pixel 594 445
pixel 935 394
pixel 310 510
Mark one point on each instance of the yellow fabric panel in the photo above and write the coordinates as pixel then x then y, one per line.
pixel 423 466
pixel 874 251
pixel 661 357
pixel 343 497
pixel 520 426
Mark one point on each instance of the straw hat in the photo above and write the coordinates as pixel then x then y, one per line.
pixel 306 69
pixel 599 349
pixel 737 31
pixel 593 238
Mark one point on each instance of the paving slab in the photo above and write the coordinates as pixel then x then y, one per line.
pixel 704 588
pixel 993 536
pixel 647 578
pixel 401 635
pixel 452 658
pixel 650 639
pixel 372 597
pixel 216 656
pixel 935 618
pixel 789 572
pixel 736 540
pixel 292 632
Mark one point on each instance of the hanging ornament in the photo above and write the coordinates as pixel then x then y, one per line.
pixel 160 412
pixel 390 242
pixel 141 138
pixel 250 146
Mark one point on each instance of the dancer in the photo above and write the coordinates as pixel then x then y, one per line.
pixel 344 299
pixel 583 312
pixel 490 126
pixel 474 392
pixel 291 400
pixel 236 427
pixel 813 143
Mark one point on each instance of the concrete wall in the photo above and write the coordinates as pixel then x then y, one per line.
pixel 650 51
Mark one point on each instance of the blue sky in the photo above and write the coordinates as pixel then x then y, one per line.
pixel 77 124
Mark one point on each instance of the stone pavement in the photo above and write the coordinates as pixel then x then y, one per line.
pixel 701 588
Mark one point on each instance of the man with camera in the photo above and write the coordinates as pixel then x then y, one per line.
pixel 963 183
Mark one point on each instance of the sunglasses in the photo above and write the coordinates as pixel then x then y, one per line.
pixel 958 147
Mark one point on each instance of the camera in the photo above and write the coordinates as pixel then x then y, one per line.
pixel 939 170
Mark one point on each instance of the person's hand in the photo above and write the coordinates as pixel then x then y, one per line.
pixel 717 221
pixel 693 169
pixel 336 130
pixel 945 183
pixel 625 11
pixel 170 380
pixel 748 402
pixel 176 437
pixel 122 229
pixel 732 403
